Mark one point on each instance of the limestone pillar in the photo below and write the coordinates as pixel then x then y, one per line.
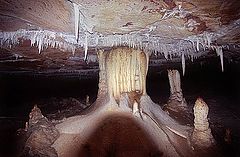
pixel 102 85
pixel 176 98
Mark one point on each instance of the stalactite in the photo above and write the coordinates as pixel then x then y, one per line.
pixel 209 40
pixel 165 52
pixel 183 64
pixel 67 42
pixel 76 19
pixel 197 44
pixel 39 38
pixel 39 46
pixel 219 52
pixel 86 46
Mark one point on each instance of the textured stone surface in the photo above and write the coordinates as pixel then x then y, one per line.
pixel 201 115
pixel 41 134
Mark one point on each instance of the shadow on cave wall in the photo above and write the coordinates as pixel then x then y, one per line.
pixel 119 136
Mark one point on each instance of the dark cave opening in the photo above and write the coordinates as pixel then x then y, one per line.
pixel 221 90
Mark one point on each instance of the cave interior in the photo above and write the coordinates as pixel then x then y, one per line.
pixel 107 78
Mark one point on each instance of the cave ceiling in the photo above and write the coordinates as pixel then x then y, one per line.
pixel 64 35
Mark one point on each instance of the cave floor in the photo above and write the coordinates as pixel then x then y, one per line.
pixel 222 116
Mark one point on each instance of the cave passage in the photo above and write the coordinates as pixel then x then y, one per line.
pixel 221 91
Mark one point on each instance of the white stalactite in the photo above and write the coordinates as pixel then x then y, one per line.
pixel 221 58
pixel 197 44
pixel 67 42
pixel 219 52
pixel 86 46
pixel 76 19
pixel 209 40
pixel 183 64
pixel 39 45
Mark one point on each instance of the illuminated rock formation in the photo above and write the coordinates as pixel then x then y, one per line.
pixel 176 100
pixel 126 71
pixel 202 136
pixel 122 91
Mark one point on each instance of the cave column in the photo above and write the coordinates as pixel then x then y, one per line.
pixel 102 85
pixel 122 86
pixel 176 99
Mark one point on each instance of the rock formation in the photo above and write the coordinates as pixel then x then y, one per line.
pixel 176 100
pixel 41 134
pixel 202 136
pixel 122 91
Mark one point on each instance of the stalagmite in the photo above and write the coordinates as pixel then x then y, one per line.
pixel 202 136
pixel 40 135
pixel 228 136
pixel 176 100
pixel 76 19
